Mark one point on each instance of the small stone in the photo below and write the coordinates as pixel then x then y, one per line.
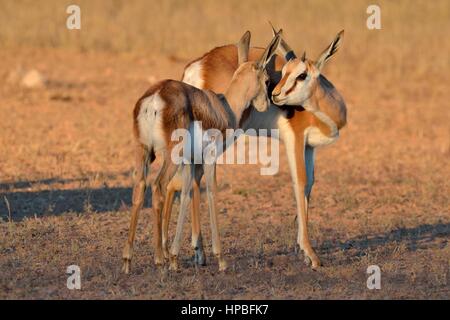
pixel 33 79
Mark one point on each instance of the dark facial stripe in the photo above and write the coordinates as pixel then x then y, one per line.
pixel 292 88
pixel 280 84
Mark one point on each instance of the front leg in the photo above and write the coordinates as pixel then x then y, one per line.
pixel 309 165
pixel 188 176
pixel 211 188
pixel 295 147
pixel 167 210
pixel 197 241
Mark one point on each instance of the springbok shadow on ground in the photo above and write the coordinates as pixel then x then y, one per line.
pixel 425 236
pixel 23 184
pixel 420 237
pixel 57 201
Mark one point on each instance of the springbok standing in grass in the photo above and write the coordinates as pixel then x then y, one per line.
pixel 169 105
pixel 317 115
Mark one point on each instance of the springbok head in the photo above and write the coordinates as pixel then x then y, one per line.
pixel 299 76
pixel 254 77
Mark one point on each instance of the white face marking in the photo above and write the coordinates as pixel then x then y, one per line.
pixel 150 122
pixel 293 76
pixel 298 95
pixel 193 75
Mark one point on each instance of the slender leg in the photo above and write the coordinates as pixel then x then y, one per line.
pixel 173 186
pixel 309 164
pixel 157 197
pixel 138 201
pixel 159 192
pixel 197 241
pixel 211 184
pixel 188 176
pixel 167 210
pixel 296 157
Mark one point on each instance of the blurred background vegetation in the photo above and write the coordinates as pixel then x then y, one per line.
pixel 181 27
pixel 413 43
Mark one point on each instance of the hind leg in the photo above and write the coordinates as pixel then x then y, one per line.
pixel 141 157
pixel 159 191
pixel 172 187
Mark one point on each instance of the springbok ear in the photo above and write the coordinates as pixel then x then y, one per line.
pixel 330 51
pixel 243 47
pixel 284 49
pixel 270 50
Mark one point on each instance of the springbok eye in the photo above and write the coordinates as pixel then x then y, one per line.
pixel 302 76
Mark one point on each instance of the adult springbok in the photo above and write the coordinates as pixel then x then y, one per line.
pixel 317 114
pixel 170 105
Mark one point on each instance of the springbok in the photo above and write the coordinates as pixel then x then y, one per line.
pixel 169 105
pixel 317 115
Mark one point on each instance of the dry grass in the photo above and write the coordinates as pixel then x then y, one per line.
pixel 381 193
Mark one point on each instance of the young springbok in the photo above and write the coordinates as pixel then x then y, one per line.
pixel 317 115
pixel 169 105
